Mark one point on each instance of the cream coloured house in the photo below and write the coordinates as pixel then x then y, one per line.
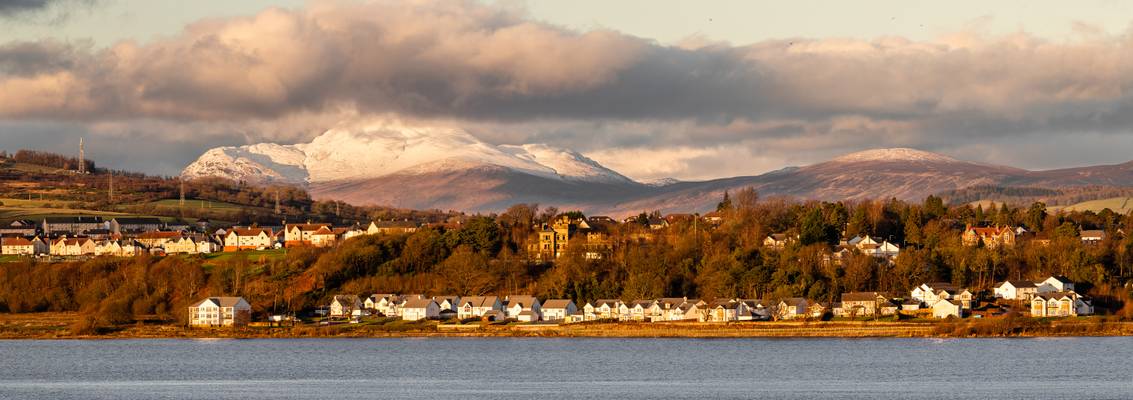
pixel 23 247
pixel 220 311
pixel 73 247
pixel 249 239
pixel 558 309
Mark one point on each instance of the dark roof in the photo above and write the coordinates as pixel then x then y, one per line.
pixel 137 221
pixel 74 220
pixel 860 296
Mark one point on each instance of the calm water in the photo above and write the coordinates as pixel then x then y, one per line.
pixel 1071 368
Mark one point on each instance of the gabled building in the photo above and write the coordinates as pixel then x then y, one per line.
pixel 72 225
pixel 118 248
pixel 391 227
pixel 947 308
pixel 1060 304
pixel 990 237
pixel 554 238
pixel 23 247
pixel 517 304
pixel 1055 284
pixel 602 309
pixel 558 309
pixel 779 240
pixel 858 304
pixel 249 239
pixel 1092 237
pixel 121 225
pixel 346 305
pixel 792 307
pixel 478 306
pixel 220 311
pixel 301 234
pixel 157 239
pixel 72 247
pixel 419 309
pixel 1016 290
pixel 20 227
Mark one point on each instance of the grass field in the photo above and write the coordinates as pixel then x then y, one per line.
pixel 1120 205
pixel 34 203
pixel 9 213
pixel 192 203
pixel 252 256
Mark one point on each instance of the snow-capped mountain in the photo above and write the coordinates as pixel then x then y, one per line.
pixel 384 148
pixel 431 167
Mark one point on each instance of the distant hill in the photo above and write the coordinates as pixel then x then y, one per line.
pixel 1120 205
pixel 448 169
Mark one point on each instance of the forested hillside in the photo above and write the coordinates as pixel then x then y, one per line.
pixel 487 255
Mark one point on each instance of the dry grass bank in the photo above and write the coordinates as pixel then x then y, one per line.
pixel 57 326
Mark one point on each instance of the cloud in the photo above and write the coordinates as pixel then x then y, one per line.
pixel 281 74
pixel 35 10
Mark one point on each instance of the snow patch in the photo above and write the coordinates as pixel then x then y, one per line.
pixel 894 154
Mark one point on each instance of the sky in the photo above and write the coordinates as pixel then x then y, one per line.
pixel 652 89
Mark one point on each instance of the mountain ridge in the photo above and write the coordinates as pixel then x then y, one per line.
pixel 444 168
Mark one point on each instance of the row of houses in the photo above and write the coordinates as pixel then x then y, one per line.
pixel 86 236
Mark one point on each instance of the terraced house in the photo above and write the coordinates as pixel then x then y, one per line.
pixel 249 239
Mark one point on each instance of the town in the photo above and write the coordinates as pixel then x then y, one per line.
pixel 90 236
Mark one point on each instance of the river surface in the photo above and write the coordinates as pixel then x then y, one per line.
pixel 524 368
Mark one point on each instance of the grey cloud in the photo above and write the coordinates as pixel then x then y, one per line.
pixel 511 80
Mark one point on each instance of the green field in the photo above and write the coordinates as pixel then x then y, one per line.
pixel 252 256
pixel 10 258
pixel 1120 205
pixel 199 204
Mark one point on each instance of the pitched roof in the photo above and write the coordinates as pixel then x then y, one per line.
pixel 418 303
pixel 557 303
pixel 159 235
pixel 523 300
pixel 859 296
pixel 19 241
pixel 137 221
pixel 306 227
pixel 1019 284
pixel 250 231
pixel 222 301
pixel 74 220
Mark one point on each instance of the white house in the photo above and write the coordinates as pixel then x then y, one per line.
pixel 418 309
pixel 345 305
pixel 22 246
pixel 558 309
pixel 249 239
pixel 478 306
pixel 1055 284
pixel 1016 290
pixel 602 309
pixel 450 303
pixel 687 311
pixel 1059 304
pixel 947 308
pixel 220 311
pixel 383 303
pixel 722 311
pixel 517 304
pixel 793 307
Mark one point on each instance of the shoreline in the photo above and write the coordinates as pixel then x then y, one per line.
pixel 55 326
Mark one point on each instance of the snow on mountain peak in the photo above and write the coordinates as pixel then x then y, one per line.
pixel 894 154
pixel 565 163
pixel 381 148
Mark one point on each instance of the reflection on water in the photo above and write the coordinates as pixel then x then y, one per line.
pixel 522 368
